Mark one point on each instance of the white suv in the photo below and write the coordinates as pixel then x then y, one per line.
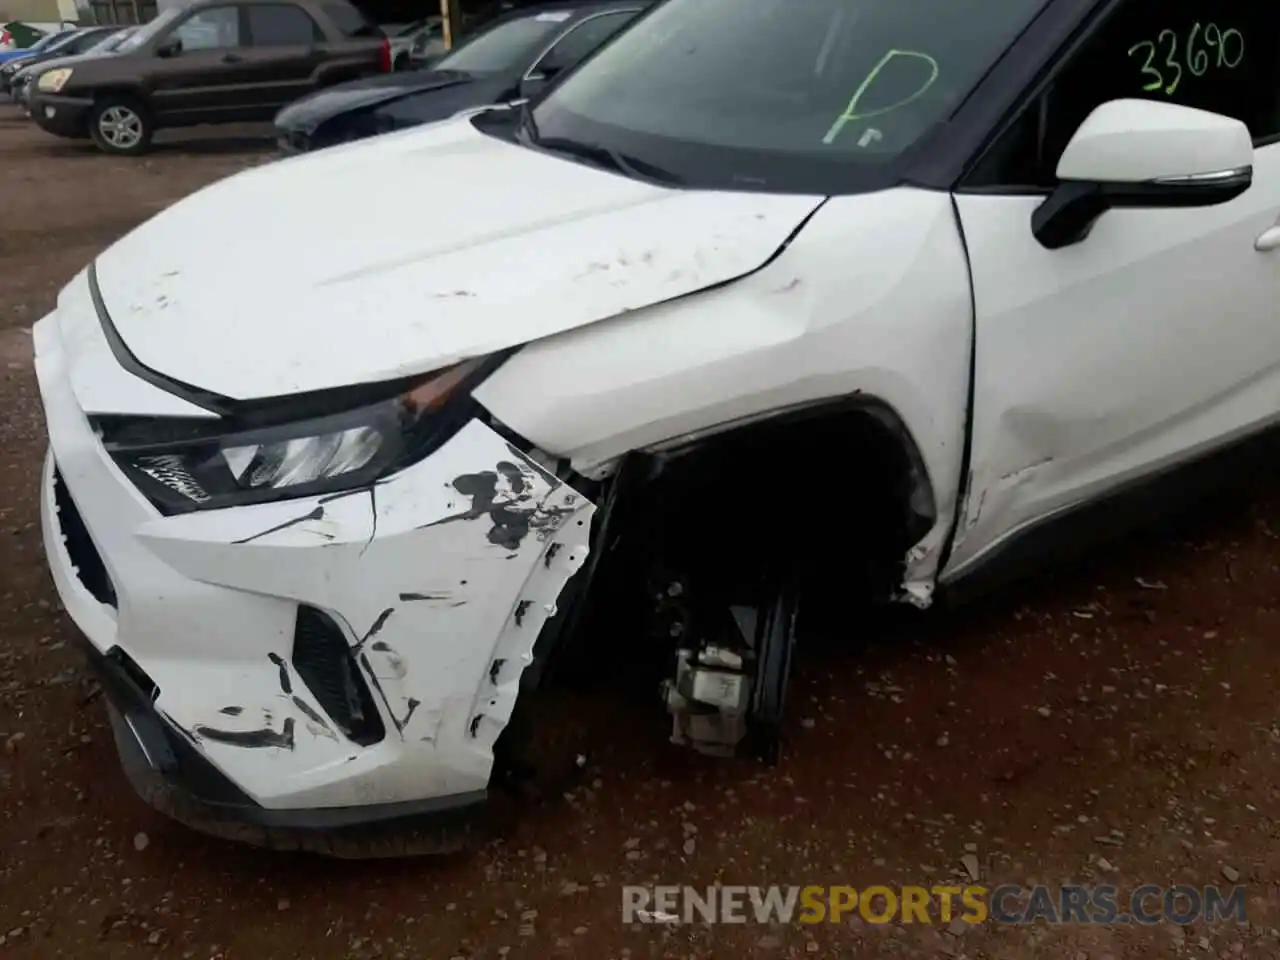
pixel 764 305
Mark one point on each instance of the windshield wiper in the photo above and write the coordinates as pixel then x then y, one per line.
pixel 610 159
pixel 595 153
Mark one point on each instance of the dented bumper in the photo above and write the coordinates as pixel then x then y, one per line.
pixel 425 593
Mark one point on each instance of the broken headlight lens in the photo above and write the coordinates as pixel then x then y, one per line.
pixel 189 467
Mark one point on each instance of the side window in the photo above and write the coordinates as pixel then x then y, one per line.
pixel 212 29
pixel 350 21
pixel 281 25
pixel 581 41
pixel 1221 57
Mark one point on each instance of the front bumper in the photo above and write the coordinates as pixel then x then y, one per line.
pixel 203 625
pixel 59 115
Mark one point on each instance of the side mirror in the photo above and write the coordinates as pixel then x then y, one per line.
pixel 170 48
pixel 1142 153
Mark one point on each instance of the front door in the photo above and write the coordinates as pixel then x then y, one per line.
pixel 1157 337
pixel 207 79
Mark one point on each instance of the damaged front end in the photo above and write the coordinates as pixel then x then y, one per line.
pixel 709 556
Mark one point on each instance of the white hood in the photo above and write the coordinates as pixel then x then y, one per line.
pixel 408 252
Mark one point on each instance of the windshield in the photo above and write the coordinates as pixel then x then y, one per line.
pixel 111 41
pixel 41 44
pixel 62 40
pixel 788 95
pixel 140 37
pixel 506 45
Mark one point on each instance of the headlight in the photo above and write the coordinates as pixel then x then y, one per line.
pixel 54 80
pixel 199 465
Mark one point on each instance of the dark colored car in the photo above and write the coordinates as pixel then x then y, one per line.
pixel 66 44
pixel 513 58
pixel 214 61
pixel 27 72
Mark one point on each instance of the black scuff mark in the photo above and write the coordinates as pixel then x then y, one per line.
pixel 394 659
pixel 514 476
pixel 510 526
pixel 316 514
pixel 373 509
pixel 382 695
pixel 459 603
pixel 551 553
pixel 494 669
pixel 286 685
pixel 373 631
pixel 253 739
pixel 475 723
pixel 311 714
pixel 409 597
pixel 522 608
pixel 550 478
pixel 232 711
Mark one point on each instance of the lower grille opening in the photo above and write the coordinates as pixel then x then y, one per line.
pixel 322 658
pixel 90 569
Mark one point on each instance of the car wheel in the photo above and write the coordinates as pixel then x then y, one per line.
pixel 401 63
pixel 121 125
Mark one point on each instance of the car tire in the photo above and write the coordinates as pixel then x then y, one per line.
pixel 121 125
pixel 401 63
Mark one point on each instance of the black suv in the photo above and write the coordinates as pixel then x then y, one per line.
pixel 214 61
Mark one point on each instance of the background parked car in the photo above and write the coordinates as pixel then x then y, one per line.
pixel 513 57
pixel 416 41
pixel 18 38
pixel 29 70
pixel 215 61
pixel 12 49
pixel 65 44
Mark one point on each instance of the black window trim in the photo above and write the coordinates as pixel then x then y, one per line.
pixel 574 25
pixel 1092 17
pixel 943 159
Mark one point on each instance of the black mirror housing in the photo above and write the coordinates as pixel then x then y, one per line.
pixel 1070 211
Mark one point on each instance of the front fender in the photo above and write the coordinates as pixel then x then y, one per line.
pixel 871 297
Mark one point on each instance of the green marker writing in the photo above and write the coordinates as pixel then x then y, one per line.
pixel 851 111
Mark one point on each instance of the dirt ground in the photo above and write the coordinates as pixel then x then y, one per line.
pixel 1113 723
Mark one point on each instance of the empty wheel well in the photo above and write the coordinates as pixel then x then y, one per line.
pixel 822 503
pixel 831 496
pixel 828 488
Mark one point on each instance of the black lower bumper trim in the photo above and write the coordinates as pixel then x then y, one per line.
pixel 172 775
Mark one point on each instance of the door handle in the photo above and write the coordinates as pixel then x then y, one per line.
pixel 231 58
pixel 1269 240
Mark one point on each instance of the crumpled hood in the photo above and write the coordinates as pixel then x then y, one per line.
pixel 306 114
pixel 411 251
